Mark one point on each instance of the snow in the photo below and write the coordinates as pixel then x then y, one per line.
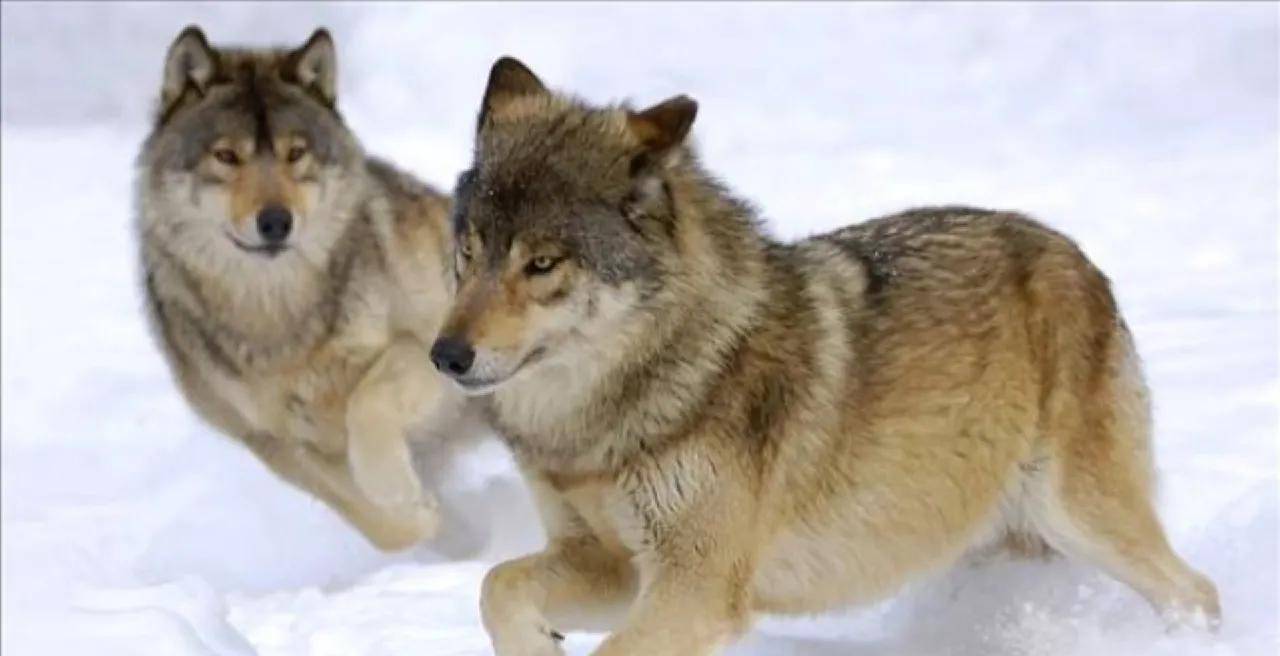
pixel 1148 132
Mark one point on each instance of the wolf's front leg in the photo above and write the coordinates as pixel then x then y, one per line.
pixel 399 389
pixel 693 608
pixel 698 566
pixel 573 584
pixel 329 479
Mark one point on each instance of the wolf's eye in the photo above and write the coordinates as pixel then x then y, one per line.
pixel 541 264
pixel 462 260
pixel 226 156
pixel 296 153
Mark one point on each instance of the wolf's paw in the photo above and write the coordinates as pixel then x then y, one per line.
pixel 393 530
pixel 1205 616
pixel 387 479
pixel 545 642
pixel 1195 606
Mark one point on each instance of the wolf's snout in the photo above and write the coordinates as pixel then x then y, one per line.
pixel 452 356
pixel 274 224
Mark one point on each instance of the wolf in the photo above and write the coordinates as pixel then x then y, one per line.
pixel 716 424
pixel 294 283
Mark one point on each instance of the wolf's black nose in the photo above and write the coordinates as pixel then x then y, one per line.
pixel 274 224
pixel 452 356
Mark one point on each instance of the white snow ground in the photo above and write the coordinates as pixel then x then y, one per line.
pixel 1147 132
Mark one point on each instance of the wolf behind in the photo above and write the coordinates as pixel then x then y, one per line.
pixel 717 424
pixel 293 282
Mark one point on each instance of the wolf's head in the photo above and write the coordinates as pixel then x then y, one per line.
pixel 564 223
pixel 249 164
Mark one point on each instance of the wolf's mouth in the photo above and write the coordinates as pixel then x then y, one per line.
pixel 479 387
pixel 270 250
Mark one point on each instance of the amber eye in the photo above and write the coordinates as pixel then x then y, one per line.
pixel 226 156
pixel 462 260
pixel 296 153
pixel 541 264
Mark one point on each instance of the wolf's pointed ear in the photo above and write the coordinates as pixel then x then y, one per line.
pixel 664 125
pixel 190 62
pixel 315 66
pixel 660 130
pixel 509 80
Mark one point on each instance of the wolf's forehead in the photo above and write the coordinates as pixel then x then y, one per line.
pixel 573 141
pixel 502 218
pixel 240 112
pixel 534 176
pixel 524 184
pixel 267 111
pixel 261 105
pixel 499 223
pixel 243 67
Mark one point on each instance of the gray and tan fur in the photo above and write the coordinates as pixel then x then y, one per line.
pixel 293 282
pixel 716 424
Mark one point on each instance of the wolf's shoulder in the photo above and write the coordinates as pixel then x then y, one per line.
pixel 417 207
pixel 400 183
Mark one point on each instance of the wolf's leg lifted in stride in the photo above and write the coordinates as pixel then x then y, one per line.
pixel 393 395
pixel 330 480
pixel 579 582
pixel 717 424
pixel 294 283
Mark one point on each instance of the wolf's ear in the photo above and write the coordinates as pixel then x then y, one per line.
pixel 315 66
pixel 190 62
pixel 509 80
pixel 664 125
pixel 659 129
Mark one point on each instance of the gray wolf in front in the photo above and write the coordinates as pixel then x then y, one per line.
pixel 294 283
pixel 717 424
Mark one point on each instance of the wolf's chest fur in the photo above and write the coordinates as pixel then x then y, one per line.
pixel 283 360
pixel 304 396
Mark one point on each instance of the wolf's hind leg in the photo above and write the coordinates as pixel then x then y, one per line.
pixel 1092 499
pixel 574 584
pixel 1124 538
pixel 1094 503
pixel 399 388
